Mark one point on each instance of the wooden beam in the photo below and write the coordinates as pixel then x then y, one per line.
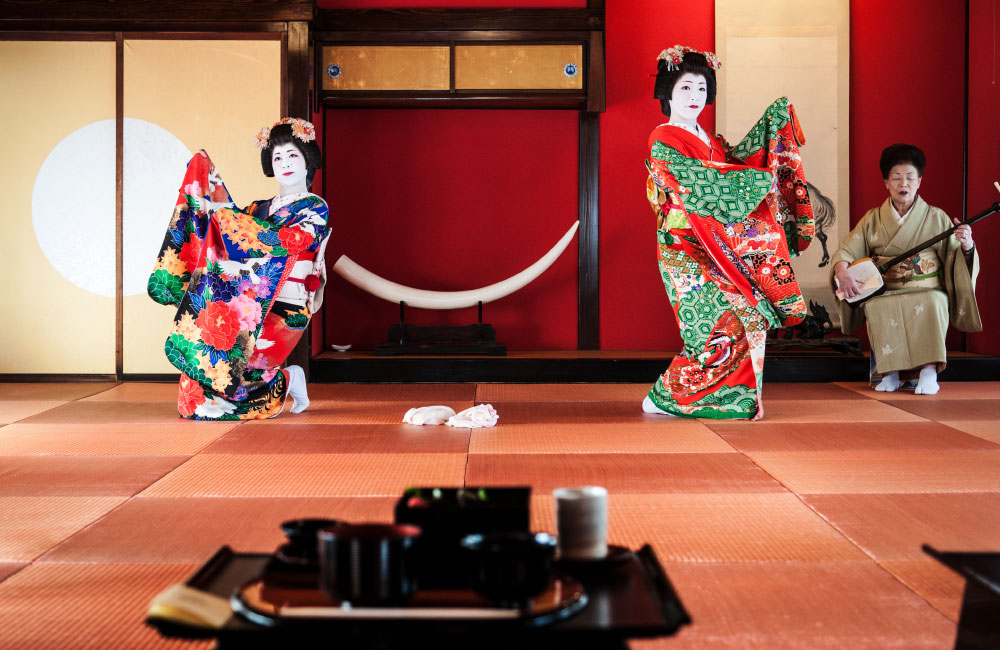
pixel 155 10
pixel 415 20
pixel 119 205
pixel 297 71
pixel 596 84
pixel 588 301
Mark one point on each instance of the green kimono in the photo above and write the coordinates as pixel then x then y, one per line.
pixel 907 324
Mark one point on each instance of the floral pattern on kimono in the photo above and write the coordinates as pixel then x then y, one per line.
pixel 223 268
pixel 729 219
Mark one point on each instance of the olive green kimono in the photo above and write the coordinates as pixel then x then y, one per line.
pixel 907 324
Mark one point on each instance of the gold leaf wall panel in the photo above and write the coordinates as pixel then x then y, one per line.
pixel 386 67
pixel 519 67
pixel 58 184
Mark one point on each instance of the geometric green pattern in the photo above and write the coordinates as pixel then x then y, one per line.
pixel 727 197
pixel 698 309
pixel 724 403
pixel 773 120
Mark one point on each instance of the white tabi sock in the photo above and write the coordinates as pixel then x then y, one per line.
pixel 297 388
pixel 927 382
pixel 889 383
pixel 649 407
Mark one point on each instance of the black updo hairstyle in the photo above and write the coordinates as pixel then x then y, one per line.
pixel 693 62
pixel 901 154
pixel 282 134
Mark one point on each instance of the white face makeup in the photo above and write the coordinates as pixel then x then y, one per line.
pixel 289 167
pixel 688 98
pixel 903 183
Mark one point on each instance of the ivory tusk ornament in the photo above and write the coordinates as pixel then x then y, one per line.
pixel 424 299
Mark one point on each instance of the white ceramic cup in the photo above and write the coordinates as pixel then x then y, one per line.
pixel 582 522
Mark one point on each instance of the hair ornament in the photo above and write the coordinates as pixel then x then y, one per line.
pixel 302 130
pixel 674 55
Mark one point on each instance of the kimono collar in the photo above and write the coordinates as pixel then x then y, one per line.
pixel 695 130
pixel 279 202
pixel 893 228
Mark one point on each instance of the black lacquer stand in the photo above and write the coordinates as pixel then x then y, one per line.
pixel 404 338
pixel 979 620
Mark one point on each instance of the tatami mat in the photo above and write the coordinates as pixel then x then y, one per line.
pixel 721 527
pixel 102 413
pixel 416 394
pixel 180 437
pixel 822 410
pixel 280 438
pixel 328 411
pixel 780 391
pixel 883 471
pixel 892 527
pixel 29 526
pixel 8 569
pixel 562 393
pixel 949 390
pixel 138 392
pixel 82 475
pixel 933 581
pixel 51 606
pixel 985 429
pixel 190 530
pixel 305 475
pixel 951 409
pixel 12 411
pixel 609 413
pixel 677 436
pixel 802 530
pixel 51 391
pixel 831 436
pixel 622 473
pixel 855 605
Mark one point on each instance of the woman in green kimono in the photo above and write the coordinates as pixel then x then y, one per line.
pixel 907 324
pixel 728 220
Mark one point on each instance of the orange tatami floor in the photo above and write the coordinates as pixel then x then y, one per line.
pixel 802 530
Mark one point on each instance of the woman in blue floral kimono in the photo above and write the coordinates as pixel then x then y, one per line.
pixel 245 281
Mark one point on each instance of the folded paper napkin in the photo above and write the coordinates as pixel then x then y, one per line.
pixel 429 415
pixel 483 415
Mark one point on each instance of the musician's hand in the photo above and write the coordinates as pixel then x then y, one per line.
pixel 964 235
pixel 845 281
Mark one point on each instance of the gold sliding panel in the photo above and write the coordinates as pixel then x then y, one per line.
pixel 164 125
pixel 58 182
pixel 386 67
pixel 519 67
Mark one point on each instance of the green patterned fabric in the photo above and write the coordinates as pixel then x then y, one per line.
pixel 726 197
pixel 760 135
pixel 726 403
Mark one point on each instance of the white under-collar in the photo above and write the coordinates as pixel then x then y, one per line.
pixel 901 219
pixel 695 130
pixel 279 202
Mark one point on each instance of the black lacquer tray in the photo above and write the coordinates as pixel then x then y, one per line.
pixel 271 602
pixel 633 599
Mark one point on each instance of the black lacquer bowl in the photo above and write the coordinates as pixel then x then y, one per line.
pixel 302 547
pixel 509 568
pixel 368 564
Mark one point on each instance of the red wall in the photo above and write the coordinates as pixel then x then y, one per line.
pixel 635 312
pixel 984 166
pixel 401 180
pixel 451 200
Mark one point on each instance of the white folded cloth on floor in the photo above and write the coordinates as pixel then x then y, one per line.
pixel 483 415
pixel 428 415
